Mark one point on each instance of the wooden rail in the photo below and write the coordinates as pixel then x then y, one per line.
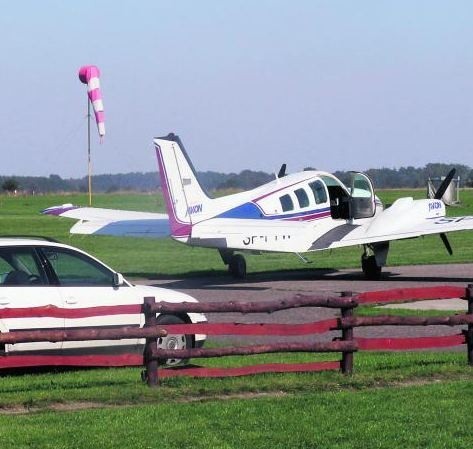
pixel 333 346
pixel 117 333
pixel 253 307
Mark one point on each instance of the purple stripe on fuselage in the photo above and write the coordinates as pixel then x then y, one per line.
pixel 278 190
pixel 309 217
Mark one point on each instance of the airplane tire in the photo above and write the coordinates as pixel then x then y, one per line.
pixel 370 268
pixel 237 266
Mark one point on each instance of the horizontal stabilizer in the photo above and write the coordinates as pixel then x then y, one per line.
pixel 114 222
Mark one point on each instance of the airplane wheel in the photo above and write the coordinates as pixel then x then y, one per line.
pixel 237 266
pixel 370 268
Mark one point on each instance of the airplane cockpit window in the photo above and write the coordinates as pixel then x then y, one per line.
pixel 302 197
pixel 319 192
pixel 286 203
pixel 339 198
pixel 361 188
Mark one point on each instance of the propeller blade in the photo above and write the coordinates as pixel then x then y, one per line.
pixel 444 186
pixel 446 243
pixel 282 171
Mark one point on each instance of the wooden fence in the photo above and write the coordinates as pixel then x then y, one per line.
pixel 345 342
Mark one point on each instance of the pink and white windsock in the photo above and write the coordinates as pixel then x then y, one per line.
pixel 89 74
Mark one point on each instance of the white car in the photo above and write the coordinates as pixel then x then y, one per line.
pixel 36 272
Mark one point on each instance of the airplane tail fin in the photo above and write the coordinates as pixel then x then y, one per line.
pixel 184 196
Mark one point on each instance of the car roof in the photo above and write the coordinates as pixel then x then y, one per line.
pixel 30 241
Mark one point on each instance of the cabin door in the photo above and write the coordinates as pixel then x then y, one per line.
pixel 362 203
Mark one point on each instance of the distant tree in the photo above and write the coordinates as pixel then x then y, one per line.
pixel 10 185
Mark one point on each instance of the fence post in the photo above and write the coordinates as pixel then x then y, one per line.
pixel 469 332
pixel 151 366
pixel 347 335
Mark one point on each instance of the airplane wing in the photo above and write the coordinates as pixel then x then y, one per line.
pixel 114 222
pixel 403 220
pixel 348 235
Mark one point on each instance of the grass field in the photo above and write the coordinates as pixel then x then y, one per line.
pixel 164 257
pixel 392 401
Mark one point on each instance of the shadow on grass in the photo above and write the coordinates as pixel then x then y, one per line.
pixel 27 371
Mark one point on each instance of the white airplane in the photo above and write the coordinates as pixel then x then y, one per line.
pixel 296 213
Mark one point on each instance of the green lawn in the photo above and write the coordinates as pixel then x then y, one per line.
pixel 430 416
pixel 119 386
pixel 164 257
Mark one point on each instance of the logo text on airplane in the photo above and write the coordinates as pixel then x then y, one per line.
pixel 435 205
pixel 196 209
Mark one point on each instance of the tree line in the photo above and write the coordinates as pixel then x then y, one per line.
pixel 383 178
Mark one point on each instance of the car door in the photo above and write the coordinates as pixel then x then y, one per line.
pixel 24 285
pixel 83 282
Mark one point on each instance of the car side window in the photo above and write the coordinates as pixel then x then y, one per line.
pixel 76 269
pixel 20 266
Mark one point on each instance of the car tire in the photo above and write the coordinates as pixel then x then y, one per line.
pixel 173 341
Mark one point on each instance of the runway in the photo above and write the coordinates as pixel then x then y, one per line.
pixel 276 285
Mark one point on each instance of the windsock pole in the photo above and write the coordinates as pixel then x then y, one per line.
pixel 89 74
pixel 89 162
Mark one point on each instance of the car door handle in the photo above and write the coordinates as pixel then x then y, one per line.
pixel 71 300
pixel 4 301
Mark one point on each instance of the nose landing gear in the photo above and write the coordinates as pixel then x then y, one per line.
pixel 373 259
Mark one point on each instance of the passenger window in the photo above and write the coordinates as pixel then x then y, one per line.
pixel 286 203
pixel 302 197
pixel 319 192
pixel 76 269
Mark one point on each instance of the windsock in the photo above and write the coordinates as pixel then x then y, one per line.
pixel 89 74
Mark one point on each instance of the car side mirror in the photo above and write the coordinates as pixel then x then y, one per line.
pixel 118 279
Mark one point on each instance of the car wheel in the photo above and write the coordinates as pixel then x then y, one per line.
pixel 173 341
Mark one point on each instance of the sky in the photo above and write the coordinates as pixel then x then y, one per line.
pixel 333 84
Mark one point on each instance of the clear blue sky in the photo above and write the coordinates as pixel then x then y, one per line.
pixel 246 84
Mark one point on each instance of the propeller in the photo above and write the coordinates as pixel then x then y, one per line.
pixel 445 241
pixel 438 196
pixel 444 186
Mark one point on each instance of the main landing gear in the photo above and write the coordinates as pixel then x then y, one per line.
pixel 373 259
pixel 236 263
